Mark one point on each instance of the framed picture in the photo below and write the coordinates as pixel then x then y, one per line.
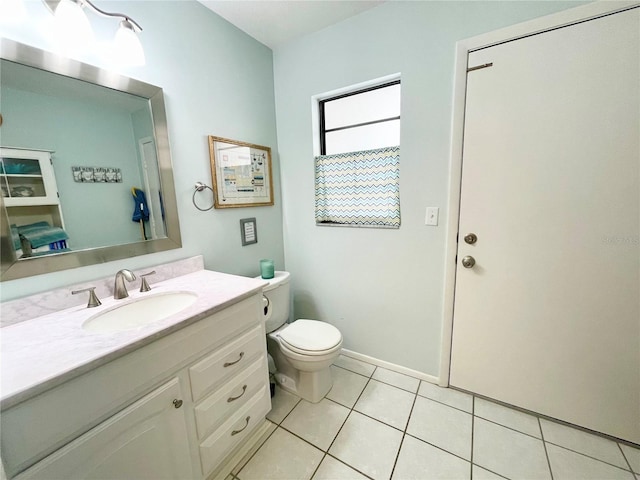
pixel 241 173
pixel 248 231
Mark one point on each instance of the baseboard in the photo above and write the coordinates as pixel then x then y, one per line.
pixel 391 366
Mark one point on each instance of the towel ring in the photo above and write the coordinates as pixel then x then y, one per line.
pixel 198 188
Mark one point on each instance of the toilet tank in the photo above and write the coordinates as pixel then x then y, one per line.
pixel 277 307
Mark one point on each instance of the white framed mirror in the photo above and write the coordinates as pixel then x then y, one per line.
pixel 110 163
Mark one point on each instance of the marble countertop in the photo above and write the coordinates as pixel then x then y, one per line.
pixel 39 354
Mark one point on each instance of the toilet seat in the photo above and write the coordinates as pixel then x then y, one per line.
pixel 310 337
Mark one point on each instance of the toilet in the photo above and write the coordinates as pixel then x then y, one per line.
pixel 303 350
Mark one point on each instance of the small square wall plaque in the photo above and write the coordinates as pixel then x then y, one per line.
pixel 248 231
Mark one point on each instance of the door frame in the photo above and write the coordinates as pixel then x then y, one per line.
pixel 463 48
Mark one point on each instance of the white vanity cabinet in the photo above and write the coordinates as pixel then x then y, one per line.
pixel 175 408
pixel 147 440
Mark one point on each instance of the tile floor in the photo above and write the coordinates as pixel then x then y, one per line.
pixel 378 424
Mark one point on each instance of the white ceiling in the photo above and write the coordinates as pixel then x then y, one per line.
pixel 274 23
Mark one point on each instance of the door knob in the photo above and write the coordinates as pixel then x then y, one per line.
pixel 468 261
pixel 471 238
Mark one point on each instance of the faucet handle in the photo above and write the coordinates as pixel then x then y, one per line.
pixel 144 286
pixel 94 301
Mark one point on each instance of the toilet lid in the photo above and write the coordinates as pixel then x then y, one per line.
pixel 311 335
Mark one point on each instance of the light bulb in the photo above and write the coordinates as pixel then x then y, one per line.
pixel 73 31
pixel 127 47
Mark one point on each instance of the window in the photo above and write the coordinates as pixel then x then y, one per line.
pixel 361 120
pixel 357 174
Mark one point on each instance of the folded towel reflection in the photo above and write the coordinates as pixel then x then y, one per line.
pixel 41 233
pixel 15 237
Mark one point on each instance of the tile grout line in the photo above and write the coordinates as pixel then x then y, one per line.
pixel 442 403
pixel 353 371
pixel 395 386
pixel 351 410
pixel 550 419
pixel 544 444
pixel 268 436
pixel 489 470
pixel 370 377
pixel 584 454
pixel 625 458
pixel 378 420
pixel 318 466
pixel 350 466
pixel 345 421
pixel 382 381
pixel 254 453
pixel 509 428
pixel 404 433
pixel 538 418
pixel 592 458
pixel 289 413
pixel 473 421
pixel 325 453
pixel 439 448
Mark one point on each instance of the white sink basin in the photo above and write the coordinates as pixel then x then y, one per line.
pixel 139 312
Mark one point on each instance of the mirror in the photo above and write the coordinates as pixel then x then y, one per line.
pixel 85 159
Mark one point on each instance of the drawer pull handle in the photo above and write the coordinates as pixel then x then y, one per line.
pixel 235 432
pixel 228 364
pixel 232 399
pixel 177 403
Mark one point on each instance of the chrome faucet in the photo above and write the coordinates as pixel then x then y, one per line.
pixel 120 289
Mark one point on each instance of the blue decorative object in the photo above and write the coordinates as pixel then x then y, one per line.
pixel 141 210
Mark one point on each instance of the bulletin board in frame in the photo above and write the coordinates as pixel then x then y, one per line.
pixel 241 173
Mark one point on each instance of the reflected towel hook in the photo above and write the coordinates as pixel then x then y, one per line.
pixel 199 187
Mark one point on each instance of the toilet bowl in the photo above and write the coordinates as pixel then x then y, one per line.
pixel 304 350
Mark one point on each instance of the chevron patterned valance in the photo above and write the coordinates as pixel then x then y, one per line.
pixel 359 188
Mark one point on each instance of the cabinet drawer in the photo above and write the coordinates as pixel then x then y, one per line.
pixel 227 361
pixel 221 404
pixel 218 445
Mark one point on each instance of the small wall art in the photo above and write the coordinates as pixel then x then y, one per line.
pixel 96 175
pixel 248 231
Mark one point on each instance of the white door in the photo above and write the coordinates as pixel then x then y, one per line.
pixel 548 318
pixel 147 440
pixel 151 176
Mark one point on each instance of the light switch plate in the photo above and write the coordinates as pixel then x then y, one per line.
pixel 431 217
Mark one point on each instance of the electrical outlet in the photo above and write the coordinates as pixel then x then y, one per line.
pixel 431 217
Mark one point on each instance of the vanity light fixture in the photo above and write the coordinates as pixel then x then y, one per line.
pixel 74 30
pixel 12 11
pixel 127 46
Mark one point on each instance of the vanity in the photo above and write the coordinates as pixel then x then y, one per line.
pixel 173 398
pixel 166 384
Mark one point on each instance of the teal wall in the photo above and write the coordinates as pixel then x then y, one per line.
pixel 80 135
pixel 217 81
pixel 383 288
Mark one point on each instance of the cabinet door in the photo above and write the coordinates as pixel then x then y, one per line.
pixel 147 440
pixel 27 178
